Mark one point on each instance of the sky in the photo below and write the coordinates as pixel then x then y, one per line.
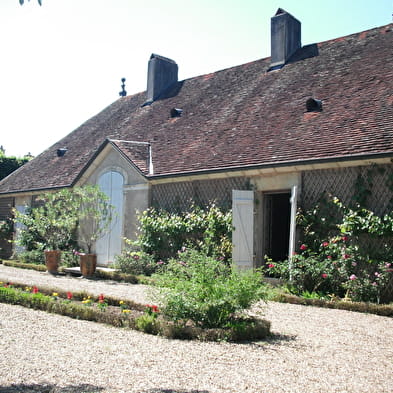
pixel 62 63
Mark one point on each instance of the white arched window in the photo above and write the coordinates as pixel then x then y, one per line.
pixel 111 183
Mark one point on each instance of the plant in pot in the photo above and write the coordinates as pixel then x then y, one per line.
pixel 95 215
pixel 54 221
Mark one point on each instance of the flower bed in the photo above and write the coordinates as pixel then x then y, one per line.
pixel 124 313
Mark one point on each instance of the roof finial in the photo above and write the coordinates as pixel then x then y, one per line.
pixel 123 92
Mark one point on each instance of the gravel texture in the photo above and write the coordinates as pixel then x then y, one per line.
pixel 312 350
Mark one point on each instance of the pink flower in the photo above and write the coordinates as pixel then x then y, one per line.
pixel 271 265
pixel 329 257
pixel 303 247
pixel 160 262
pixel 346 256
pixel 374 284
pixel 324 275
pixel 377 274
pixel 344 238
pixel 352 277
pixel 325 244
pixel 354 263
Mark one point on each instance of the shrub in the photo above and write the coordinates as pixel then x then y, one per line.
pixel 354 261
pixel 134 261
pixel 205 291
pixel 33 256
pixel 162 233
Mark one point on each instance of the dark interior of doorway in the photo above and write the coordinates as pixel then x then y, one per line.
pixel 277 213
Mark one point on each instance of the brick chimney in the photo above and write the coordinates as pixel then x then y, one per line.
pixel 161 74
pixel 285 38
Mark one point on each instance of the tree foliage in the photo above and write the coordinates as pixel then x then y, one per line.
pixel 23 1
pixel 10 164
pixel 61 215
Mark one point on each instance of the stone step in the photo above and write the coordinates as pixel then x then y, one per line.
pixel 76 271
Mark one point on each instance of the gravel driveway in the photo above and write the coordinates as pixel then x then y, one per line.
pixel 312 350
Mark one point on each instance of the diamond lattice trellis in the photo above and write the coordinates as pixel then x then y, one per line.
pixel 181 196
pixel 344 183
pixel 372 184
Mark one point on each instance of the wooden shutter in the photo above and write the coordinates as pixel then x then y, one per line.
pixel 243 232
pixel 292 230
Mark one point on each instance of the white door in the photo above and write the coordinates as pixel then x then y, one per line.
pixel 243 232
pixel 109 245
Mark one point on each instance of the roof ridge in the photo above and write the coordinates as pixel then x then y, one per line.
pixel 344 37
pixel 125 141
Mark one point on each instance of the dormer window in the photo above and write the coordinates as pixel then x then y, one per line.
pixel 61 151
pixel 176 112
pixel 313 105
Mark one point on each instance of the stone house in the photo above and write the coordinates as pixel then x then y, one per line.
pixel 263 138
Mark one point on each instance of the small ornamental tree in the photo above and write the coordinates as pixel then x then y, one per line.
pixel 54 223
pixel 95 215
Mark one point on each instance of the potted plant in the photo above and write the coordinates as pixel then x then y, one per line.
pixel 54 221
pixel 95 214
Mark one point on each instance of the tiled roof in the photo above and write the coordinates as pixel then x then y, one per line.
pixel 244 116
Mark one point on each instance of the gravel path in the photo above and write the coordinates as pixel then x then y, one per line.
pixel 312 350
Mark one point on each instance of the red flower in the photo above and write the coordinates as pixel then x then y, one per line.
pixel 101 298
pixel 346 256
pixel 152 308
pixel 69 295
pixel 344 238
pixel 271 265
pixel 303 247
pixel 35 289
pixel 324 275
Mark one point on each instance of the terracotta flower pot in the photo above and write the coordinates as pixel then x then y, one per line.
pixel 52 260
pixel 88 263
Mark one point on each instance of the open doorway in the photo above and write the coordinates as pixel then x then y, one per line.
pixel 276 225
